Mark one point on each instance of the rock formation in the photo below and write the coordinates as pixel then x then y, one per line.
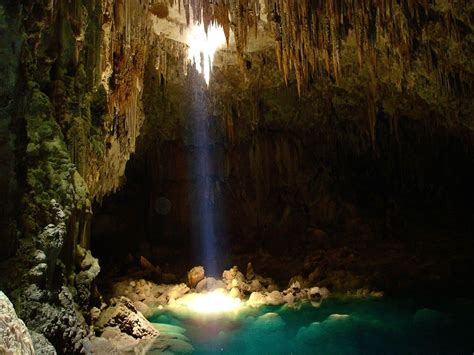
pixel 334 127
pixel 14 336
pixel 72 109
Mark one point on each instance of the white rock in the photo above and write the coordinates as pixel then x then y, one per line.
pixel 289 298
pixel 274 298
pixel 256 299
pixel 14 336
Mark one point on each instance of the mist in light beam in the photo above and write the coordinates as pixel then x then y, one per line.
pixel 201 51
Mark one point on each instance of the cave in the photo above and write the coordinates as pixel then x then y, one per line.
pixel 237 176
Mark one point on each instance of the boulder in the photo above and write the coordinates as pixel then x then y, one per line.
pixel 123 315
pixel 235 292
pixel 300 280
pixel 195 275
pixel 256 299
pixel 316 295
pixel 274 298
pixel 175 292
pixel 149 293
pixel 233 273
pixel 210 284
pixel 14 336
pixel 256 286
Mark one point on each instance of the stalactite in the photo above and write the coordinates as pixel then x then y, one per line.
pixel 308 34
pixel 309 37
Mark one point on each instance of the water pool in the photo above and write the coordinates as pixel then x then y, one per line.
pixel 339 326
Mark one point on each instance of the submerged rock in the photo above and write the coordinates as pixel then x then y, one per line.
pixel 269 322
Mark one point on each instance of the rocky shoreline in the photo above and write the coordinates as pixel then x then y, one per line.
pixel 123 325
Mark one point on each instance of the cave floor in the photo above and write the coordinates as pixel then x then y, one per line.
pixel 432 264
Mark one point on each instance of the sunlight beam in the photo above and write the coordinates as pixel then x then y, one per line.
pixel 202 47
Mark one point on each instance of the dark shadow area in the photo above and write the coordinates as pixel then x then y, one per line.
pixel 397 219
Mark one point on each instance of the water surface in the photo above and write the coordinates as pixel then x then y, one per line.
pixel 339 326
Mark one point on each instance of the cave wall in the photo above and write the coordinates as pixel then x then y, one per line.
pixel 9 51
pixel 70 115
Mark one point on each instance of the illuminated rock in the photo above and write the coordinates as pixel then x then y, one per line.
pixel 195 275
pixel 274 298
pixel 210 284
pixel 256 299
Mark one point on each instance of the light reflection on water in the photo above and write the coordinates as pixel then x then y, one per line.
pixel 339 326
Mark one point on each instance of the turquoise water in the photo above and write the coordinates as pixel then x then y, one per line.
pixel 339 326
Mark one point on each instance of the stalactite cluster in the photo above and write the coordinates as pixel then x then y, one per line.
pixel 309 34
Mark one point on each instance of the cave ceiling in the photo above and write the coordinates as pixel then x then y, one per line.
pixel 416 48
